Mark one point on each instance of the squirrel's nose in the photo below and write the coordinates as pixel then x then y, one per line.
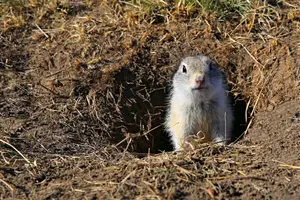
pixel 199 80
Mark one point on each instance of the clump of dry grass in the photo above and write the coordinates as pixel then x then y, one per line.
pixel 111 173
pixel 165 175
pixel 156 12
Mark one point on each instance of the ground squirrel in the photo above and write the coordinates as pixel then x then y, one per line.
pixel 198 103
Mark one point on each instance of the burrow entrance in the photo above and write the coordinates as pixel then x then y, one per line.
pixel 139 98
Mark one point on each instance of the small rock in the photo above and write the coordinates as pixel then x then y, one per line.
pixel 270 107
pixel 296 118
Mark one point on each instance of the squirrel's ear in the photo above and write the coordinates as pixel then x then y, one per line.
pixel 211 65
pixel 199 54
pixel 181 60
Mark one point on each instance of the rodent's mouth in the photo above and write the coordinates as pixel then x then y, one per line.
pixel 199 88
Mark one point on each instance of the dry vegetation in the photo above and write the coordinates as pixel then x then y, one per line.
pixel 83 86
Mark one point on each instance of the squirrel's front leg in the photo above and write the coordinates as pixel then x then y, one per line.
pixel 177 124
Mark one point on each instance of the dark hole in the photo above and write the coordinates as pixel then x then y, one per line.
pixel 157 19
pixel 240 121
pixel 142 110
pixel 141 97
pixel 240 111
pixel 81 89
pixel 275 3
pixel 159 139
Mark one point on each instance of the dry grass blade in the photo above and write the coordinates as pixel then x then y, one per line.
pixel 7 185
pixel 127 177
pixel 126 138
pixel 289 166
pixel 282 164
pixel 14 148
pixel 43 32
pixel 245 132
pixel 2 154
pixel 184 171
pixel 239 178
pixel 247 51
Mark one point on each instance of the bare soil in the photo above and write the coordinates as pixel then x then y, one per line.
pixel 83 91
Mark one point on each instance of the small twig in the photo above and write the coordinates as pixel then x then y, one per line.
pixel 282 164
pixel 7 185
pixel 48 76
pixel 210 192
pixel 14 148
pixel 63 96
pixel 246 111
pixel 238 178
pixel 125 179
pixel 147 132
pixel 222 46
pixel 137 135
pixel 291 5
pixel 290 166
pixel 247 51
pixel 2 154
pixel 48 89
pixel 130 140
pixel 130 4
pixel 184 171
pixel 45 34
pixel 122 141
pixel 256 102
pixel 244 133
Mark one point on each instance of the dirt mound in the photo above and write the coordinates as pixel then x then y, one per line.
pixel 83 84
pixel 238 171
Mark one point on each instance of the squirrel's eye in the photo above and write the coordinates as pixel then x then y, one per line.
pixel 184 69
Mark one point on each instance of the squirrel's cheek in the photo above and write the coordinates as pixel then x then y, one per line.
pixel 191 83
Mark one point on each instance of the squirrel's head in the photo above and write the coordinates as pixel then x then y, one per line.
pixel 197 75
